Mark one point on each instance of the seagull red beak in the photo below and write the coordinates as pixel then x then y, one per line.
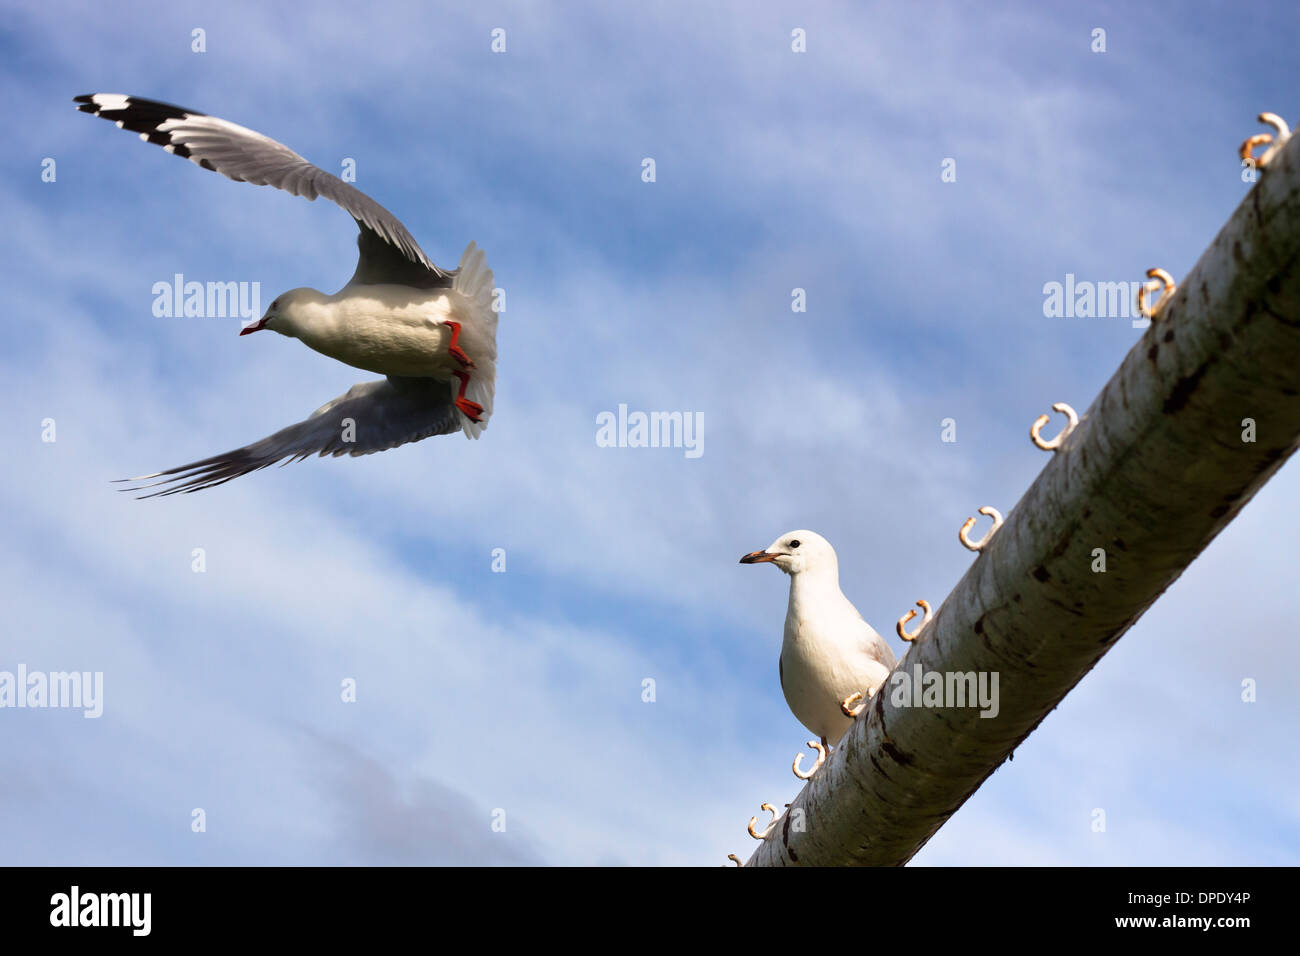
pixel 255 327
pixel 758 557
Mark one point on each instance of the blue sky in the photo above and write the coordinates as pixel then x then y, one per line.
pixel 521 691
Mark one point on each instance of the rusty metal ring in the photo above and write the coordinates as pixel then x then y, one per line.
pixel 1052 444
pixel 970 523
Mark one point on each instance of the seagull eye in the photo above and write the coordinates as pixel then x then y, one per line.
pixel 275 305
pixel 794 544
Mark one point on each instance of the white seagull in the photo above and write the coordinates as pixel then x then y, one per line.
pixel 829 652
pixel 430 331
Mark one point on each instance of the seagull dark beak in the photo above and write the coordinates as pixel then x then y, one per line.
pixel 255 327
pixel 758 557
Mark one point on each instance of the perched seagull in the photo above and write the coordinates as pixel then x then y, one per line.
pixel 829 652
pixel 431 332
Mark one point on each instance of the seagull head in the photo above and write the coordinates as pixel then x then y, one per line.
pixel 287 313
pixel 796 552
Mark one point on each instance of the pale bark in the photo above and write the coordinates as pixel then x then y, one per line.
pixel 1154 471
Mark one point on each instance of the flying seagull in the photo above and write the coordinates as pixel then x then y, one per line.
pixel 829 652
pixel 430 331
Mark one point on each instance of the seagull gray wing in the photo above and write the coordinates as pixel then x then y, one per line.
pixel 367 418
pixel 388 253
pixel 876 647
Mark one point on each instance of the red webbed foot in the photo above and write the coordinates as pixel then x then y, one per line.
pixel 454 348
pixel 471 410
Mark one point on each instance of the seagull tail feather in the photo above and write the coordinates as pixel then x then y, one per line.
pixel 474 282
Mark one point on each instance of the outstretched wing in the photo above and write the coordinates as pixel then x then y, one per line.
pixel 388 252
pixel 370 417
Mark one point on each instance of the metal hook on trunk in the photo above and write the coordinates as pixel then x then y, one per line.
pixel 1263 139
pixel 1052 444
pixel 754 819
pixel 1162 281
pixel 970 523
pixel 821 759
pixel 924 606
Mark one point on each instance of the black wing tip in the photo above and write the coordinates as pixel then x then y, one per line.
pixel 156 109
pixel 87 103
pixel 200 475
pixel 188 483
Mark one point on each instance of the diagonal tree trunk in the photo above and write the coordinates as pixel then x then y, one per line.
pixel 1157 467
